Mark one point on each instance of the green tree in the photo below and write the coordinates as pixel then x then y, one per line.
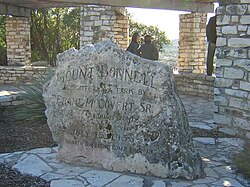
pixel 160 38
pixel 3 58
pixel 53 31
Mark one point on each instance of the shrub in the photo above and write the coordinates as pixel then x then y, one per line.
pixel 34 108
pixel 241 160
pixel 3 52
pixel 160 38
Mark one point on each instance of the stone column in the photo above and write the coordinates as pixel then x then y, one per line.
pixel 100 23
pixel 18 41
pixel 192 43
pixel 121 30
pixel 232 83
pixel 97 24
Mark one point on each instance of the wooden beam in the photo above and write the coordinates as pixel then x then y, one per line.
pixel 14 10
pixel 182 5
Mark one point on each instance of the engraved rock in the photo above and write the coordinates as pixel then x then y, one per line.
pixel 111 109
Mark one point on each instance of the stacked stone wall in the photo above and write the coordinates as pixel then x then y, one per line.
pixel 16 74
pixel 99 23
pixel 192 43
pixel 232 83
pixel 18 41
pixel 195 84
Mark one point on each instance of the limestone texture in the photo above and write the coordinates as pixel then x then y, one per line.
pixel 111 109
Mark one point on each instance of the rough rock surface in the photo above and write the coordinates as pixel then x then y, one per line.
pixel 111 109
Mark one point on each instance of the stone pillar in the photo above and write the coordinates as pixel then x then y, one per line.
pixel 99 23
pixel 18 41
pixel 121 30
pixel 192 43
pixel 232 83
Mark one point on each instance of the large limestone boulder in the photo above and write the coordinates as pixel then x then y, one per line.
pixel 111 109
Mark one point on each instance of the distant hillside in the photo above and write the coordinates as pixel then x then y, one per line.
pixel 170 53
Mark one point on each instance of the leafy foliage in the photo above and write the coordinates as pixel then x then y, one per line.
pixel 3 58
pixel 160 38
pixel 34 107
pixel 53 31
pixel 241 160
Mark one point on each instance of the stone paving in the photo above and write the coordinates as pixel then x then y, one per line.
pixel 216 153
pixel 200 111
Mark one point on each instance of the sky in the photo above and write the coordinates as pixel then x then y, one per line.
pixel 166 20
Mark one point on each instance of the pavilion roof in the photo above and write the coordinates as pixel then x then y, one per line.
pixel 23 6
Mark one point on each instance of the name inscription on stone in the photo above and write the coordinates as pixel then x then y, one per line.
pixel 107 100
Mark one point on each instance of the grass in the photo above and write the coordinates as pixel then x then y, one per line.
pixel 241 160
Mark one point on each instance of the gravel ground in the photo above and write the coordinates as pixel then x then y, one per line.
pixel 12 178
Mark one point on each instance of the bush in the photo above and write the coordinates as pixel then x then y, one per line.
pixel 241 160
pixel 34 108
pixel 54 30
pixel 160 38
pixel 3 56
pixel 3 52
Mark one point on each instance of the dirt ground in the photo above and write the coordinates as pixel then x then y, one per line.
pixel 19 136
